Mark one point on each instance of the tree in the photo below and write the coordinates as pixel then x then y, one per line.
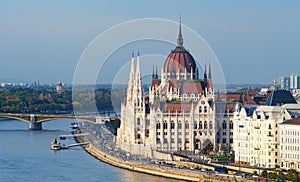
pixel 293 175
pixel 264 173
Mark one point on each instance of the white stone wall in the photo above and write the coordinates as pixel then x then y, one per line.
pixel 290 146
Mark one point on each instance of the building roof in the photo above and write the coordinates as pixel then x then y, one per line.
pixel 280 97
pixel 295 121
pixel 180 60
pixel 238 97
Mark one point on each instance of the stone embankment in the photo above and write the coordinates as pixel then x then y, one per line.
pixel 148 168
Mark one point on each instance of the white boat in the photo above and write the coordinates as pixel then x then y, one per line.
pixel 55 145
pixel 74 126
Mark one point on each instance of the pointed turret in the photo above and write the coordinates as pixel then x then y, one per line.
pixel 132 68
pixel 209 71
pixel 131 80
pixel 180 39
pixel 205 74
pixel 156 74
pixel 153 75
pixel 138 68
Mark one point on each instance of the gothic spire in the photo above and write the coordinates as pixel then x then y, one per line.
pixel 138 69
pixel 156 75
pixel 205 74
pixel 180 39
pixel 209 71
pixel 153 75
pixel 132 65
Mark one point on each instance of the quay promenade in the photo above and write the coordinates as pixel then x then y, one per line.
pixel 102 146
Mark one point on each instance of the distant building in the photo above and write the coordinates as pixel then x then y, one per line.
pixel 256 130
pixel 290 144
pixel 284 83
pixel 294 81
pixel 59 87
pixel 289 83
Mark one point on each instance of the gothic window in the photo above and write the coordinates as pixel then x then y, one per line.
pixel 138 121
pixel 200 125
pixel 179 125
pixel 205 124
pixel 147 133
pixel 195 125
pixel 165 125
pixel 172 124
pixel 138 136
pixel 224 125
pixel 231 125
pixel 210 125
pixel 157 125
pixel 200 109
pixel 205 109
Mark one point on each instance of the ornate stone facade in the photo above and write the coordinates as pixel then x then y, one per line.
pixel 178 114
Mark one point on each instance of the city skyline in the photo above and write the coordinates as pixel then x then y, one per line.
pixel 44 41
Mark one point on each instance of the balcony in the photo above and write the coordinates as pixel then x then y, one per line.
pixel 256 148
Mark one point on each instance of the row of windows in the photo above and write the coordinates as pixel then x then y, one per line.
pixel 290 165
pixel 290 140
pixel 172 133
pixel 224 125
pixel 204 109
pixel 290 148
pixel 165 125
pixel 290 133
pixel 165 141
pixel 290 156
pixel 203 126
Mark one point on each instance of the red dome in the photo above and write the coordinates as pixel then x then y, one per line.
pixel 179 59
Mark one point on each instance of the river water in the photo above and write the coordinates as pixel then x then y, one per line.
pixel 26 156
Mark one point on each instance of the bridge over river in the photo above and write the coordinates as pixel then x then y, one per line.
pixel 35 120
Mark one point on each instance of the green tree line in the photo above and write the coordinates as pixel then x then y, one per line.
pixel 31 100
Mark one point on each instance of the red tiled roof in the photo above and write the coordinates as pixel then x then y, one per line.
pixel 177 107
pixel 295 121
pixel 179 59
pixel 155 82
pixel 236 97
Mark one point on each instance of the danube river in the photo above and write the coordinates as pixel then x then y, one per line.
pixel 26 156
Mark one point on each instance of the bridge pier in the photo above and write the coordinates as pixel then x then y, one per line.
pixel 33 125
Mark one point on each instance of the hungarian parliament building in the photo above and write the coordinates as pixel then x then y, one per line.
pixel 179 112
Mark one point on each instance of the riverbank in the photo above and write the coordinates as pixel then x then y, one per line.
pixel 147 167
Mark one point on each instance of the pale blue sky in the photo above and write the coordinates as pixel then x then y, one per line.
pixel 255 41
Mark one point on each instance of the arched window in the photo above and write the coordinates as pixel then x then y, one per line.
pixel 195 124
pixel 179 125
pixel 165 125
pixel 231 125
pixel 138 122
pixel 205 124
pixel 200 109
pixel 172 124
pixel 210 125
pixel 157 125
pixel 224 125
pixel 200 125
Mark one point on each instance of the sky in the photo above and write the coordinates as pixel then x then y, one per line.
pixel 255 41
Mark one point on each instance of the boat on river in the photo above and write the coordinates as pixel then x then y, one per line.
pixel 55 145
